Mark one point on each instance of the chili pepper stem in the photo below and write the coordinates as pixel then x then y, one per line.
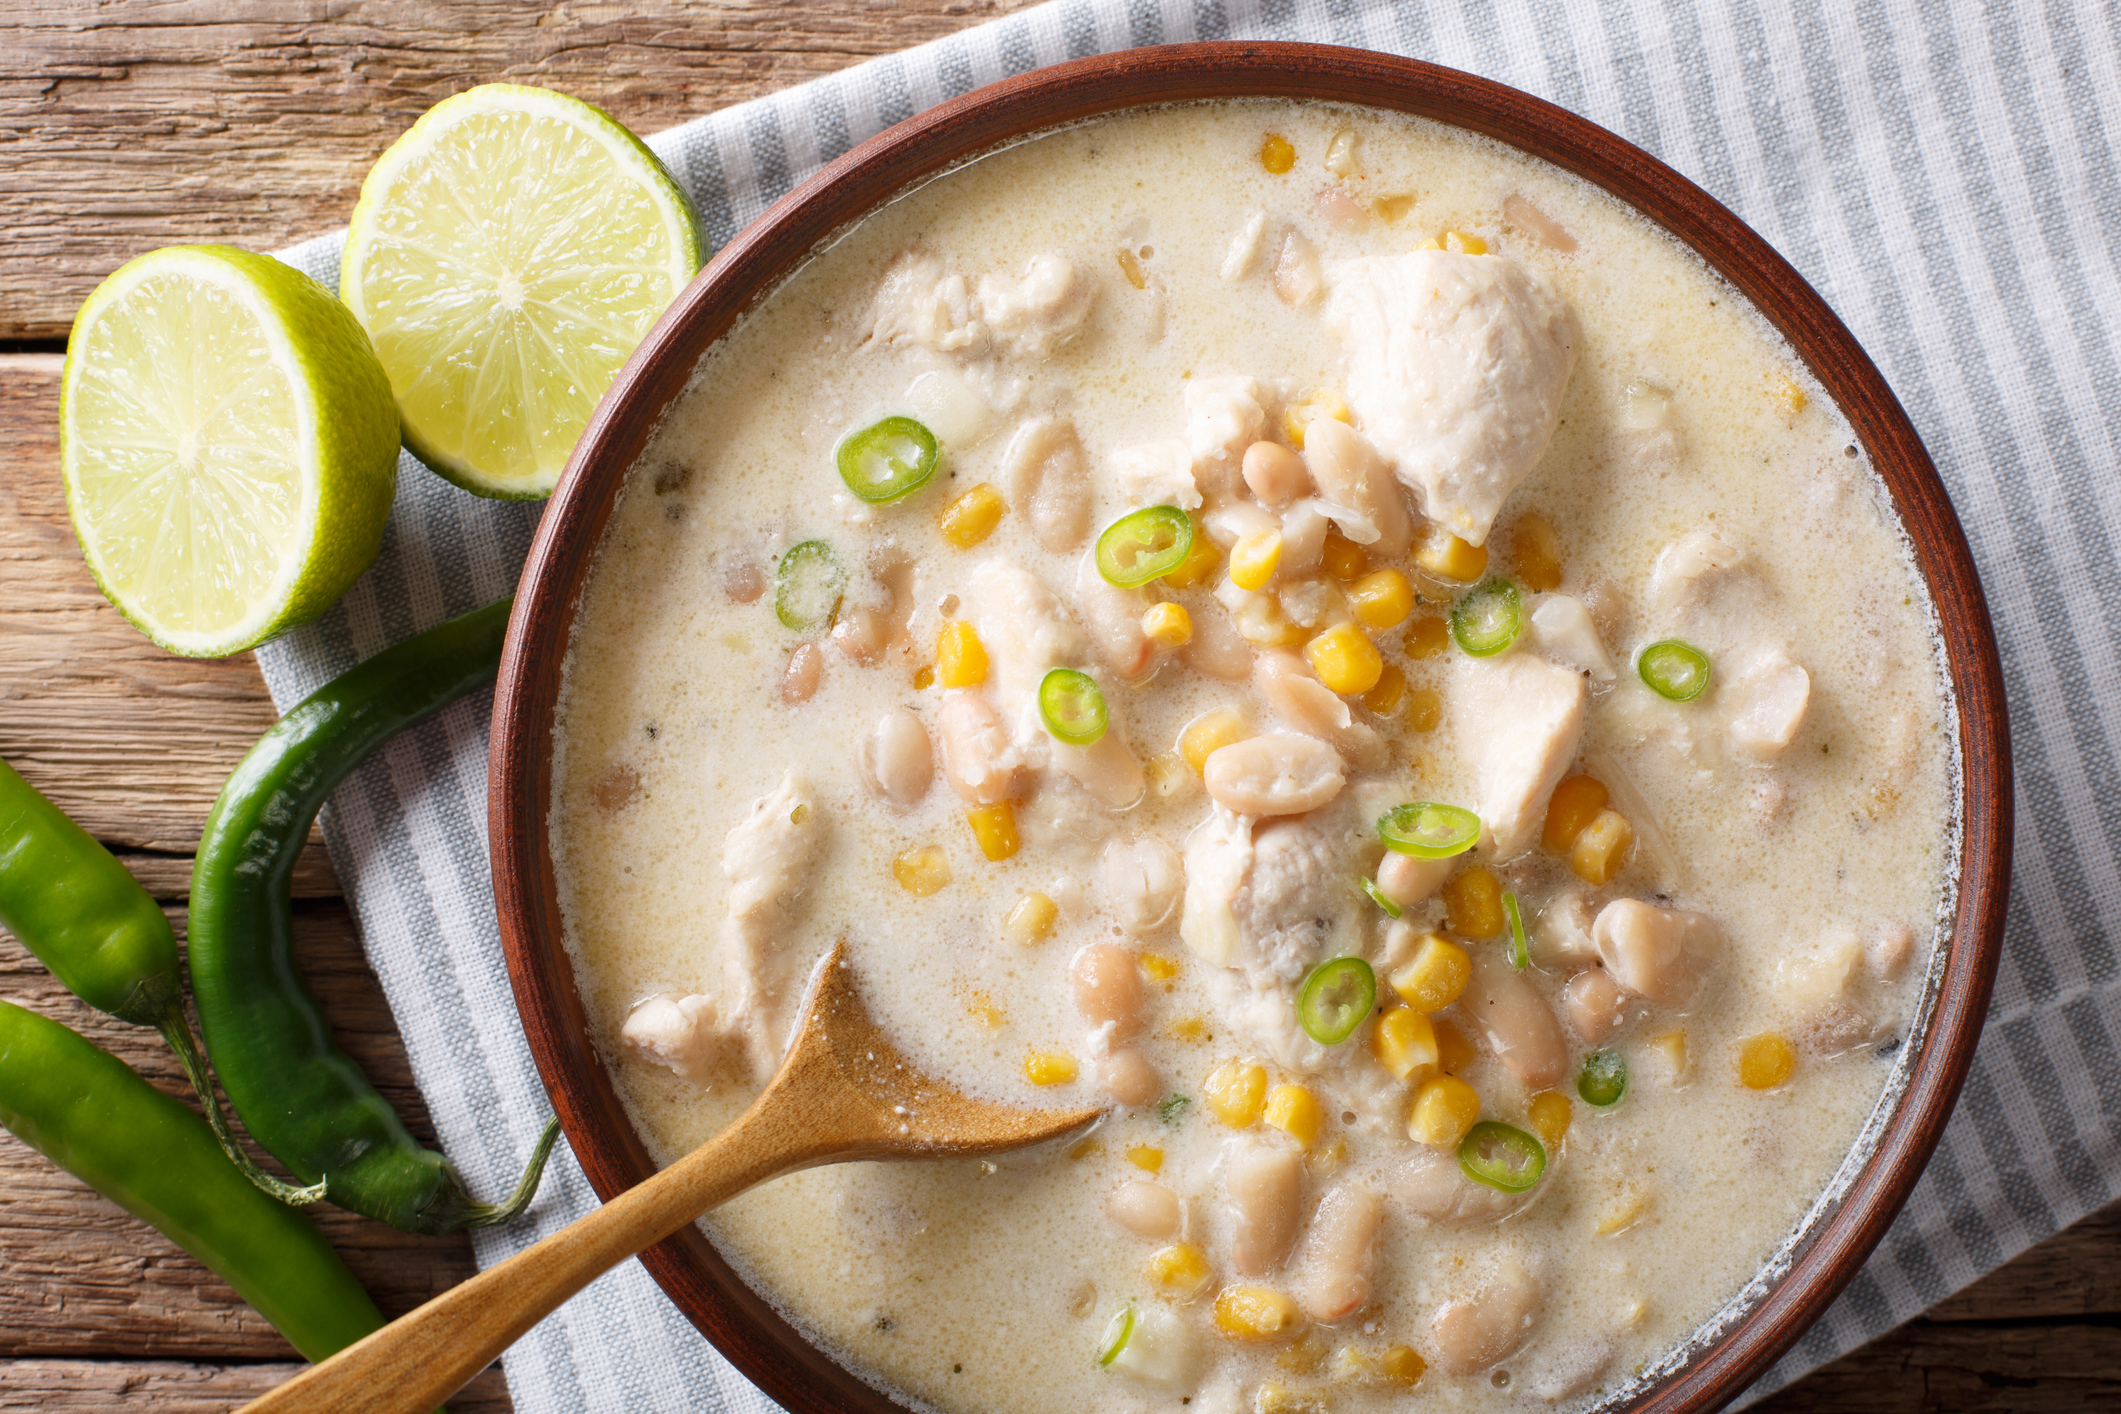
pixel 176 1030
pixel 494 1214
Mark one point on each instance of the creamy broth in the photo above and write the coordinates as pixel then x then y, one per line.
pixel 1696 485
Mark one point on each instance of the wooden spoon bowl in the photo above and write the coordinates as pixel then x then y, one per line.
pixel 1841 1234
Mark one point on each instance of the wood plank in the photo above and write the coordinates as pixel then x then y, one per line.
pixel 1930 1368
pixel 2075 1273
pixel 129 127
pixel 178 1387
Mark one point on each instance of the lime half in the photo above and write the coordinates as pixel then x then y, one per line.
pixel 508 253
pixel 229 445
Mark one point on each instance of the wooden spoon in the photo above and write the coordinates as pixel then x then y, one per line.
pixel 843 1092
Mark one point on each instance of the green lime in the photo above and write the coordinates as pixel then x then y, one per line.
pixel 507 254
pixel 229 445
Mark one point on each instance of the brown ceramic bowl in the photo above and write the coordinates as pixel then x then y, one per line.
pixel 758 1341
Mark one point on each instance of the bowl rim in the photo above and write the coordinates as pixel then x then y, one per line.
pixel 760 1342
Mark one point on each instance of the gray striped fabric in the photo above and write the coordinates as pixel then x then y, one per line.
pixel 1944 173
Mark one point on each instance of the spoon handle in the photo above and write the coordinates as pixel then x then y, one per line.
pixel 427 1355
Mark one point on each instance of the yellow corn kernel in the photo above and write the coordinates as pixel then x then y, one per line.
pixel 1404 1042
pixel 960 658
pixel 1427 637
pixel 1673 1044
pixel 1130 265
pixel 1447 557
pixel 1319 402
pixel 1538 552
pixel 1453 1051
pixel 1391 686
pixel 972 517
pixel 1328 1157
pixel 1425 709
pixel 1346 660
pixel 1158 968
pixel 1200 562
pixel 1472 903
pixel 923 677
pixel 1049 1067
pixel 1209 733
pixel 1445 1107
pixel 1434 976
pixel 1401 1365
pixel 994 826
pixel 1625 1210
pixel 1168 776
pixel 1393 207
pixel 1786 392
pixel 1030 919
pixel 1461 242
pixel 1301 1356
pixel 1254 1312
pixel 1343 558
pixel 981 1008
pixel 1602 848
pixel 1550 1113
pixel 1086 1148
pixel 1235 1092
pixel 1341 159
pixel 1574 804
pixel 1252 559
pixel 1294 1111
pixel 1381 599
pixel 1181 1269
pixel 1277 154
pixel 1168 625
pixel 922 871
pixel 1352 1367
pixel 1274 1397
pixel 1765 1061
pixel 1146 1156
pixel 1262 623
pixel 1190 1029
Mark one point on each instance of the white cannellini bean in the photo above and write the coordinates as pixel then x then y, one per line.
pixel 1303 540
pixel 1333 1268
pixel 1519 1025
pixel 1429 1184
pixel 1311 707
pixel 1108 988
pixel 1662 954
pixel 1366 499
pixel 979 760
pixel 1596 1006
pixel 1277 774
pixel 1140 880
pixel 1474 1333
pixel 1265 1191
pixel 1045 474
pixel 1298 280
pixel 1407 879
pixel 1145 1208
pixel 1129 1078
pixel 1275 474
pixel 1107 769
pixel 1226 525
pixel 896 759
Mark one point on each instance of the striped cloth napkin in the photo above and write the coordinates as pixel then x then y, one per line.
pixel 1945 174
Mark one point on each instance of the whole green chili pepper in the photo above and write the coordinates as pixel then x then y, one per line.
pixel 87 919
pixel 300 1096
pixel 92 1115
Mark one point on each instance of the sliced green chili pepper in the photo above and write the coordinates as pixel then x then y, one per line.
pixel 1335 998
pixel 1674 670
pixel 1118 1331
pixel 298 1094
pixel 1428 830
pixel 1501 1157
pixel 92 1115
pixel 1377 896
pixel 1073 708
pixel 88 920
pixel 807 585
pixel 1520 949
pixel 1487 618
pixel 1144 544
pixel 1604 1078
pixel 888 459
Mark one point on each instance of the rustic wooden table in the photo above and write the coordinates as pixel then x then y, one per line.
pixel 126 127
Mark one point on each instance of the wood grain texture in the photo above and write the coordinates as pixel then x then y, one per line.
pixel 127 127
pixel 178 1387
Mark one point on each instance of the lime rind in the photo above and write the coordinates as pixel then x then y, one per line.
pixel 496 374
pixel 289 474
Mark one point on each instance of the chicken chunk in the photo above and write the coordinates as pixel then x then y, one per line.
pixel 1218 856
pixel 1659 953
pixel 1224 415
pixel 1456 369
pixel 1564 632
pixel 1519 720
pixel 1112 619
pixel 920 301
pixel 766 857
pixel 1039 310
pixel 1156 474
pixel 1690 569
pixel 1140 881
pixel 681 1034
pixel 1767 698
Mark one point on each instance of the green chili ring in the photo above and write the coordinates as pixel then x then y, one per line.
pixel 1488 617
pixel 1603 1079
pixel 1427 829
pixel 1144 545
pixel 1377 896
pixel 1335 998
pixel 299 1095
pixel 1675 671
pixel 1118 1331
pixel 1072 707
pixel 808 584
pixel 1520 947
pixel 887 459
pixel 1505 1159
